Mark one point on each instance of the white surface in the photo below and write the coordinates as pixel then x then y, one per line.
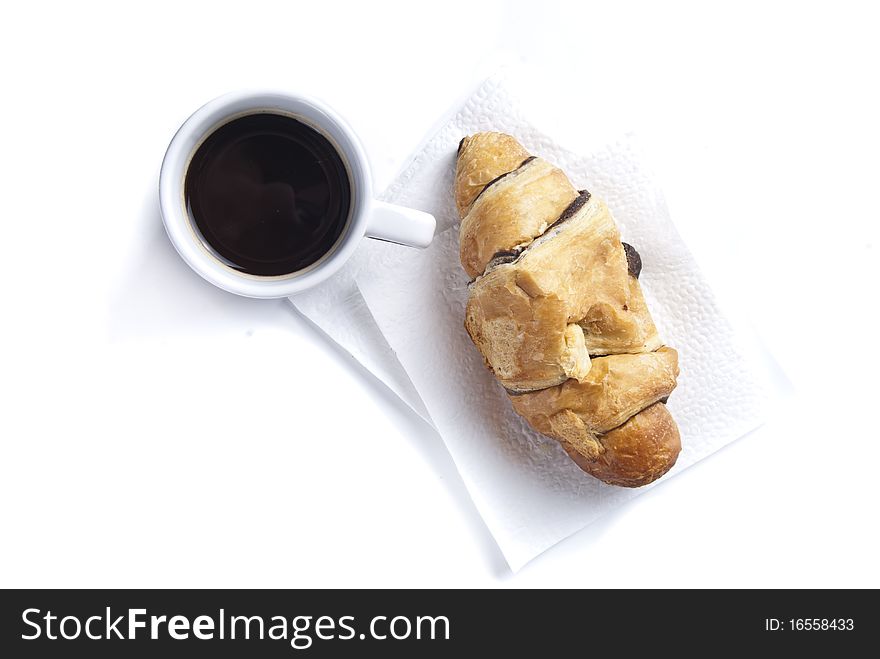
pixel 528 491
pixel 133 456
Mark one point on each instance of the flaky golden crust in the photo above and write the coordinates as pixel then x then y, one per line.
pixel 557 311
pixel 636 453
pixel 512 212
pixel 568 295
pixel 526 341
pixel 616 388
pixel 482 158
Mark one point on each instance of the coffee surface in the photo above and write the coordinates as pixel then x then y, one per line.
pixel 269 194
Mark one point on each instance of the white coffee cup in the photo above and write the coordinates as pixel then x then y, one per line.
pixel 367 217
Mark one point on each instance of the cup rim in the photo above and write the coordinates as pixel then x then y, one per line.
pixel 198 127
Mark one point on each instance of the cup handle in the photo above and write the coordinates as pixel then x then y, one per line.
pixel 404 226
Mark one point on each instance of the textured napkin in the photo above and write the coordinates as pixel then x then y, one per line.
pixel 339 310
pixel 525 487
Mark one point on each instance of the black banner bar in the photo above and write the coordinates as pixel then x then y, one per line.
pixel 319 623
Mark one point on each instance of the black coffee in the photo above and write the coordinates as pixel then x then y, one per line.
pixel 269 194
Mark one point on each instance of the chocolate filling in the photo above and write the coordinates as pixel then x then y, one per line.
pixel 506 256
pixel 501 258
pixel 507 252
pixel 498 178
pixel 633 260
pixel 664 400
pixel 578 203
pixel 509 256
pixel 514 392
pixel 460 144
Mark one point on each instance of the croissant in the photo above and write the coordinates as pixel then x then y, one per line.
pixel 556 309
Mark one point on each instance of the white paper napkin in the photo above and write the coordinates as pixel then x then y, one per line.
pixel 337 308
pixel 525 487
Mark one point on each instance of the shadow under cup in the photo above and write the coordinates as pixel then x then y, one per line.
pixel 267 194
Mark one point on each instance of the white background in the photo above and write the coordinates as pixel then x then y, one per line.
pixel 159 432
